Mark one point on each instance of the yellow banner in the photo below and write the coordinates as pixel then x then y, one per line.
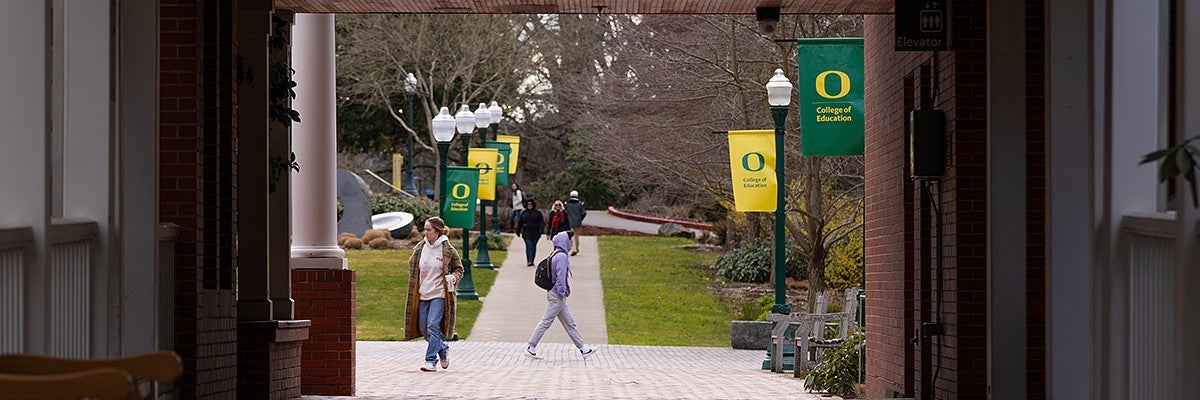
pixel 397 161
pixel 752 164
pixel 515 142
pixel 485 160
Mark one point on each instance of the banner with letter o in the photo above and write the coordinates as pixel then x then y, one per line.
pixel 830 83
pixel 462 184
pixel 752 164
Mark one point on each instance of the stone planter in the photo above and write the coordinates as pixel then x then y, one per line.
pixel 750 335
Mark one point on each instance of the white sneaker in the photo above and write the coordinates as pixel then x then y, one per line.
pixel 530 352
pixel 429 367
pixel 587 352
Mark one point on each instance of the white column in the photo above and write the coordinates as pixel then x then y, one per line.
pixel 1069 198
pixel 138 203
pixel 314 200
pixel 25 197
pixel 1007 212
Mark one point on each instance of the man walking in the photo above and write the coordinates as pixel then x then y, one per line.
pixel 575 214
pixel 556 300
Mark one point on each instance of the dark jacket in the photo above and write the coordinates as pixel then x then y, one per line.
pixel 557 222
pixel 530 224
pixel 575 212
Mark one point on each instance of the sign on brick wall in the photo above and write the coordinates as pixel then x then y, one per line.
pixel 922 25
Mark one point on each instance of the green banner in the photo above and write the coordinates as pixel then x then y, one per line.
pixel 502 167
pixel 831 96
pixel 462 183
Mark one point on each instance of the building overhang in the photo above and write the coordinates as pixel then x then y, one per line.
pixel 584 7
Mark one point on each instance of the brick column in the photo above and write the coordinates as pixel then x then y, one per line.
pixel 326 296
pixel 269 358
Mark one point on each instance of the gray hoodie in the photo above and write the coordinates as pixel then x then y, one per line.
pixel 561 264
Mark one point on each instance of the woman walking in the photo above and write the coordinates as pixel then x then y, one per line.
pixel 518 204
pixel 529 227
pixel 434 269
pixel 556 300
pixel 557 220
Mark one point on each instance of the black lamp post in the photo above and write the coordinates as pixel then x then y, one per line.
pixel 497 114
pixel 483 260
pixel 410 88
pixel 779 95
pixel 464 123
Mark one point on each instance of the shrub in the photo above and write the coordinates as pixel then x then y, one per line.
pixel 751 262
pixel 373 234
pixel 421 208
pixel 380 243
pixel 758 309
pixel 838 372
pixel 353 243
pixel 494 242
pixel 844 265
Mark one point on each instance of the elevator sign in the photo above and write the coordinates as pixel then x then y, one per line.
pixel 922 25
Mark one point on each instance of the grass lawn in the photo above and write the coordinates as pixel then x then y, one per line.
pixel 382 277
pixel 654 295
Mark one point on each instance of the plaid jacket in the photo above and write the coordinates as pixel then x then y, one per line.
pixel 454 267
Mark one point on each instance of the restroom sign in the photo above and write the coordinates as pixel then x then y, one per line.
pixel 922 25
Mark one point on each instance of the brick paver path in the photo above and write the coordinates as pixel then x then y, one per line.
pixel 515 305
pixel 489 364
pixel 496 370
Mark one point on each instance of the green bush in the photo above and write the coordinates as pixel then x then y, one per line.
pixel 838 372
pixel 758 309
pixel 751 262
pixel 594 186
pixel 421 208
pixel 843 268
pixel 495 242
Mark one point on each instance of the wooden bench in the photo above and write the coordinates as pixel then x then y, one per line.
pixel 812 338
pixel 781 346
pixel 41 377
pixel 789 328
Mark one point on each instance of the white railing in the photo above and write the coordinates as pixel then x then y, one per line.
pixel 72 260
pixel 1151 292
pixel 15 245
pixel 168 236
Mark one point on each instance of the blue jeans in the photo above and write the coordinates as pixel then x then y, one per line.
pixel 531 246
pixel 430 314
pixel 514 218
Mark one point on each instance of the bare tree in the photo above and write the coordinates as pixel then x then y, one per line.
pixel 457 59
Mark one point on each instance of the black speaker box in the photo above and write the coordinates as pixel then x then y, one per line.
pixel 926 143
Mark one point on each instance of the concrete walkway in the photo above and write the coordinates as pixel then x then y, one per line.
pixel 515 305
pixel 602 218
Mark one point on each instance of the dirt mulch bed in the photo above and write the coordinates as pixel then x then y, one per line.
pixel 737 293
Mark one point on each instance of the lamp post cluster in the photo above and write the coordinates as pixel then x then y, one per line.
pixel 465 122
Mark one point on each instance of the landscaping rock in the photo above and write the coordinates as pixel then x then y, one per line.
pixel 671 229
pixel 749 335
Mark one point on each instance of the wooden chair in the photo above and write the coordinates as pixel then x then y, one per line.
pixel 44 377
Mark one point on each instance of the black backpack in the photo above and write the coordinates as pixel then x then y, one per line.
pixel 543 276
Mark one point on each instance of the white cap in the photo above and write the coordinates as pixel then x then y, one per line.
pixel 574 194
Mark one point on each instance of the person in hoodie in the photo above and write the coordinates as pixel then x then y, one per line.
pixel 529 227
pixel 556 300
pixel 434 269
pixel 575 214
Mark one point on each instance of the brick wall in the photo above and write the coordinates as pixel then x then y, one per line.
pixel 191 177
pixel 902 274
pixel 326 297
